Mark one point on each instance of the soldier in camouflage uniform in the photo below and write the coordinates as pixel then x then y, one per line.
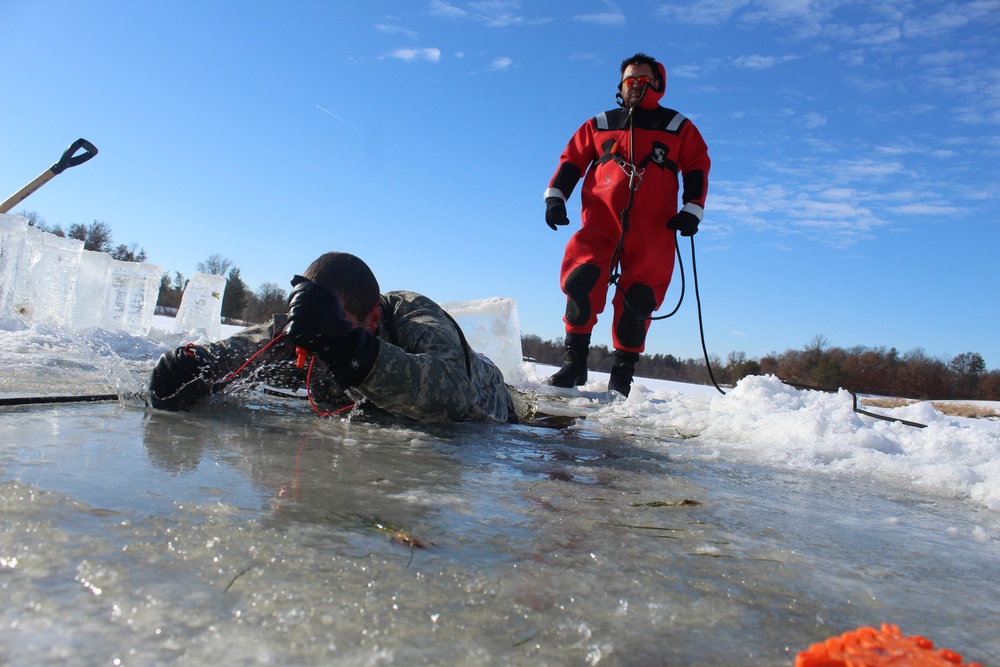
pixel 400 351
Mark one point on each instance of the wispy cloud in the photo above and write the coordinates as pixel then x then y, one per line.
pixel 613 16
pixel 606 18
pixel 839 203
pixel 942 58
pixel 501 63
pixel 951 17
pixel 706 12
pixel 493 13
pixel 396 30
pixel 948 212
pixel 446 10
pixel 812 119
pixel 411 55
pixel 758 62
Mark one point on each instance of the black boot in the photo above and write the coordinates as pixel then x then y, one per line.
pixel 622 370
pixel 574 368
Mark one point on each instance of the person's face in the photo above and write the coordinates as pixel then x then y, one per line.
pixel 632 94
pixel 368 322
pixel 352 318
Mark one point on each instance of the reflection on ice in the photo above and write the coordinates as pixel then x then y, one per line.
pixel 249 537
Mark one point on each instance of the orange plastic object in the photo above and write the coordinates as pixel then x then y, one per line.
pixel 301 354
pixel 868 647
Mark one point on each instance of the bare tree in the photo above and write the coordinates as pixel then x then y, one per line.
pixel 38 222
pixel 268 300
pixel 216 265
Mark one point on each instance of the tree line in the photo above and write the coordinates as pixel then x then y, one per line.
pixel 880 371
pixel 96 237
pixel 865 370
pixel 240 304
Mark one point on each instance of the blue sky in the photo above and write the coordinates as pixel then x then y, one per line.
pixel 855 145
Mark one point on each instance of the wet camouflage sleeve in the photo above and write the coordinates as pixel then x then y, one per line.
pixel 275 367
pixel 421 369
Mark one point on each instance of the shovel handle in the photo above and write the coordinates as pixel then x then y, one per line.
pixel 68 159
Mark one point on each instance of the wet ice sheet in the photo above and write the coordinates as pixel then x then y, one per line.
pixel 246 536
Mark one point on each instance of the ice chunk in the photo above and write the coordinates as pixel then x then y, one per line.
pixel 50 279
pixel 491 326
pixel 130 298
pixel 142 298
pixel 53 267
pixel 92 284
pixel 13 232
pixel 201 306
pixel 37 273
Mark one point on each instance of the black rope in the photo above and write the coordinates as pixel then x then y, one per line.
pixel 856 408
pixel 708 365
pixel 701 326
pixel 620 248
pixel 680 299
pixel 39 400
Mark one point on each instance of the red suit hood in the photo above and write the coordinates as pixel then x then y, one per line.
pixel 652 97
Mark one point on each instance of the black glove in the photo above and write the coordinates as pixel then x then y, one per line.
pixel 317 323
pixel 181 378
pixel 555 212
pixel 684 222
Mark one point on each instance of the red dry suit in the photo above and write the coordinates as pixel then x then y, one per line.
pixel 663 143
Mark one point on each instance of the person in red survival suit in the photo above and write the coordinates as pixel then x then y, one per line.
pixel 629 159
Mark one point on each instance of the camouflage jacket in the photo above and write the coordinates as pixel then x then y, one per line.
pixel 424 370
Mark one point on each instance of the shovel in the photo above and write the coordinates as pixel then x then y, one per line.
pixel 67 160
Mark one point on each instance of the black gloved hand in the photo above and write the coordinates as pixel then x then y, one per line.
pixel 317 323
pixel 316 319
pixel 555 212
pixel 181 378
pixel 684 222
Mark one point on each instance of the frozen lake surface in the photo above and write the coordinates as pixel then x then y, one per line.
pixel 679 527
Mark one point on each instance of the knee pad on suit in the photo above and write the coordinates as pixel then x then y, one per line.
pixel 578 285
pixel 640 303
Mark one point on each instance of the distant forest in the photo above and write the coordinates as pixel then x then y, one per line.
pixel 864 370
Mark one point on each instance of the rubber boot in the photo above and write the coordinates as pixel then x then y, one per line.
pixel 574 368
pixel 622 370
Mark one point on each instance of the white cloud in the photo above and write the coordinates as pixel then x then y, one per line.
pixel 396 30
pixel 613 16
pixel 867 170
pixel 812 119
pixel 941 58
pixel 877 35
pixel 926 209
pixel 684 71
pixel 951 17
pixel 706 12
pixel 758 62
pixel 492 13
pixel 501 63
pixel 439 8
pixel 411 55
pixel 838 193
pixel 602 19
pixel 496 13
